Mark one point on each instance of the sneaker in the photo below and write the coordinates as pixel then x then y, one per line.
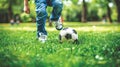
pixel 42 38
pixel 58 25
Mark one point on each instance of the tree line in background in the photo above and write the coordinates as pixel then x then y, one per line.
pixel 73 10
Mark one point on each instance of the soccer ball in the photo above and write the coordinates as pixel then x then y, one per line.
pixel 68 34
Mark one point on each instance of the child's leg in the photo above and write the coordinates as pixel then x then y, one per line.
pixel 57 9
pixel 41 16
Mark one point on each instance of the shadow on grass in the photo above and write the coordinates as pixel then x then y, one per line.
pixel 7 59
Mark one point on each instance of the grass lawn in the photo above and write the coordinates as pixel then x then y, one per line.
pixel 99 46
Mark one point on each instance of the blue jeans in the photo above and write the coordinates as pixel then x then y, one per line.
pixel 41 14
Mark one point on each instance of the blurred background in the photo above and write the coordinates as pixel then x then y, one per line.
pixel 73 11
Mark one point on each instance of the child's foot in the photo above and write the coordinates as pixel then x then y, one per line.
pixel 58 25
pixel 42 38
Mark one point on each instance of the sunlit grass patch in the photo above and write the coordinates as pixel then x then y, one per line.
pixel 97 27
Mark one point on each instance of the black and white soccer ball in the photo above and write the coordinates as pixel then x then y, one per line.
pixel 68 34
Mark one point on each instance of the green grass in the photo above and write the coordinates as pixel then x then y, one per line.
pixel 99 46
